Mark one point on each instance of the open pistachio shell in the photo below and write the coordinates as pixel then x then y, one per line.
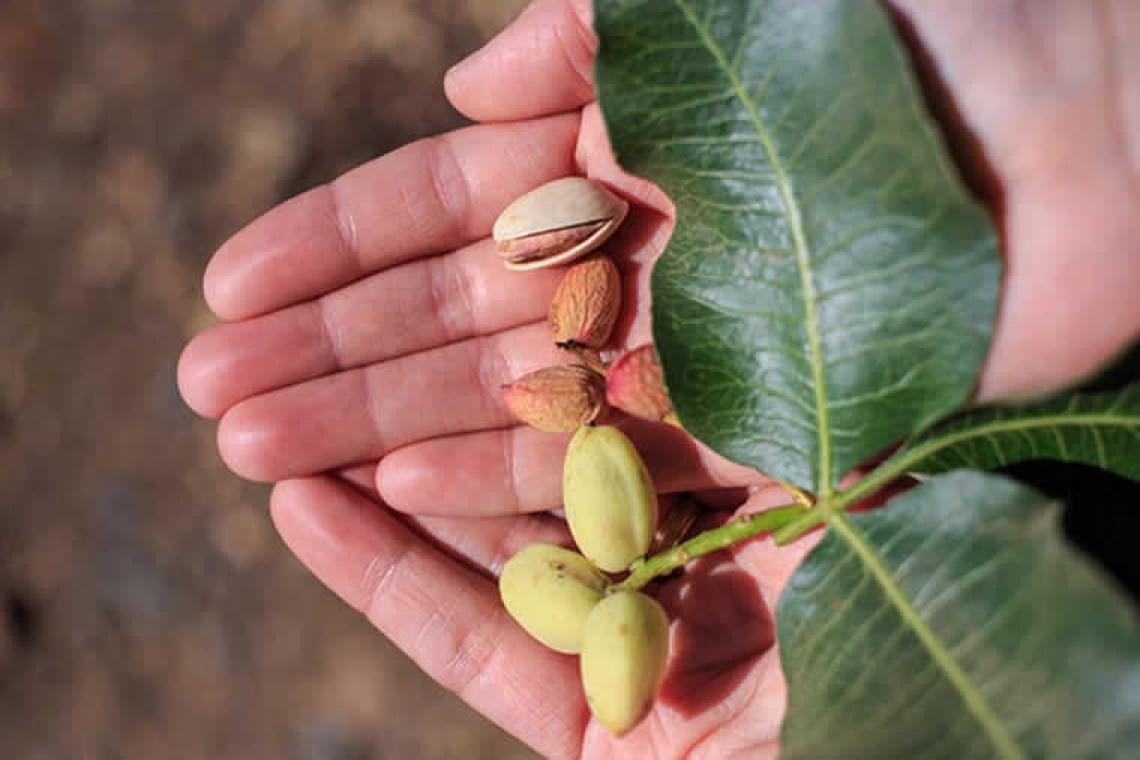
pixel 557 223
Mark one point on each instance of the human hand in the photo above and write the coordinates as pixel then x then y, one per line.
pixel 356 304
pixel 369 327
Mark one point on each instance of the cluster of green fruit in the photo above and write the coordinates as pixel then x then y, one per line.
pixel 574 603
pixel 566 600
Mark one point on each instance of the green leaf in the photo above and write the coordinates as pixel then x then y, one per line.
pixel 1099 429
pixel 957 623
pixel 829 288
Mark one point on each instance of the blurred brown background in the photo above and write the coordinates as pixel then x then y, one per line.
pixel 147 609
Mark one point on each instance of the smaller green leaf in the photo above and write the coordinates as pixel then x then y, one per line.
pixel 957 623
pixel 1101 429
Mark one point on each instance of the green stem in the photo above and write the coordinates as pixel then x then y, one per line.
pixel 798 527
pixel 787 523
pixel 886 472
pixel 710 541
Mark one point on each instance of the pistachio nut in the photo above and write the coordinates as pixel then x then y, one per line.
pixel 586 304
pixel 549 591
pixel 624 651
pixel 557 223
pixel 557 399
pixel 635 385
pixel 609 498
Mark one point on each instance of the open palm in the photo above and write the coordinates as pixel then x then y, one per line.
pixel 369 327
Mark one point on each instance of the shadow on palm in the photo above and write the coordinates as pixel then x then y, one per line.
pixel 722 627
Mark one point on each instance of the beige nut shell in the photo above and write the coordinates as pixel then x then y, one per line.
pixel 562 204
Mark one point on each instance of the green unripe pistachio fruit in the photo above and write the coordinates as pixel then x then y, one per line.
pixel 550 591
pixel 625 647
pixel 610 501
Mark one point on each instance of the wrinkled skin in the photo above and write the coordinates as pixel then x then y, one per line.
pixel 347 308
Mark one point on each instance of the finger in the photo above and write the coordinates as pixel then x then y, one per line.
pixel 362 414
pixel 362 477
pixel 444 616
pixel 487 547
pixel 416 306
pixel 434 195
pixel 484 545
pixel 518 470
pixel 541 64
pixel 1069 300
pixel 1017 89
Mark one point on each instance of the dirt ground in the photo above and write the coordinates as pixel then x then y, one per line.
pixel 147 608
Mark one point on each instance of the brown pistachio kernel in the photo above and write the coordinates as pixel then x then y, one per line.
pixel 586 304
pixel 557 399
pixel 557 223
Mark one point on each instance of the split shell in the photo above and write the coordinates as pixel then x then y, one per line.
pixel 557 223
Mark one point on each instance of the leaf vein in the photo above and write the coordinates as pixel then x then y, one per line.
pixel 824 485
pixel 973 699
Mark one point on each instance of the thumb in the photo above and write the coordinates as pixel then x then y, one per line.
pixel 539 65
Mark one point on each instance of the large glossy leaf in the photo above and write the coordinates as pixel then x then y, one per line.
pixel 829 288
pixel 957 623
pixel 1100 429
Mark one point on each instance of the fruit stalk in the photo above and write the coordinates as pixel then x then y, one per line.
pixel 732 532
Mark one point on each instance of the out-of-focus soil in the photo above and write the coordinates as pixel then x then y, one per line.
pixel 147 609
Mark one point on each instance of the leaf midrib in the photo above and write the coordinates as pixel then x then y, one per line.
pixel 823 485
pixel 974 701
pixel 933 446
pixel 907 458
